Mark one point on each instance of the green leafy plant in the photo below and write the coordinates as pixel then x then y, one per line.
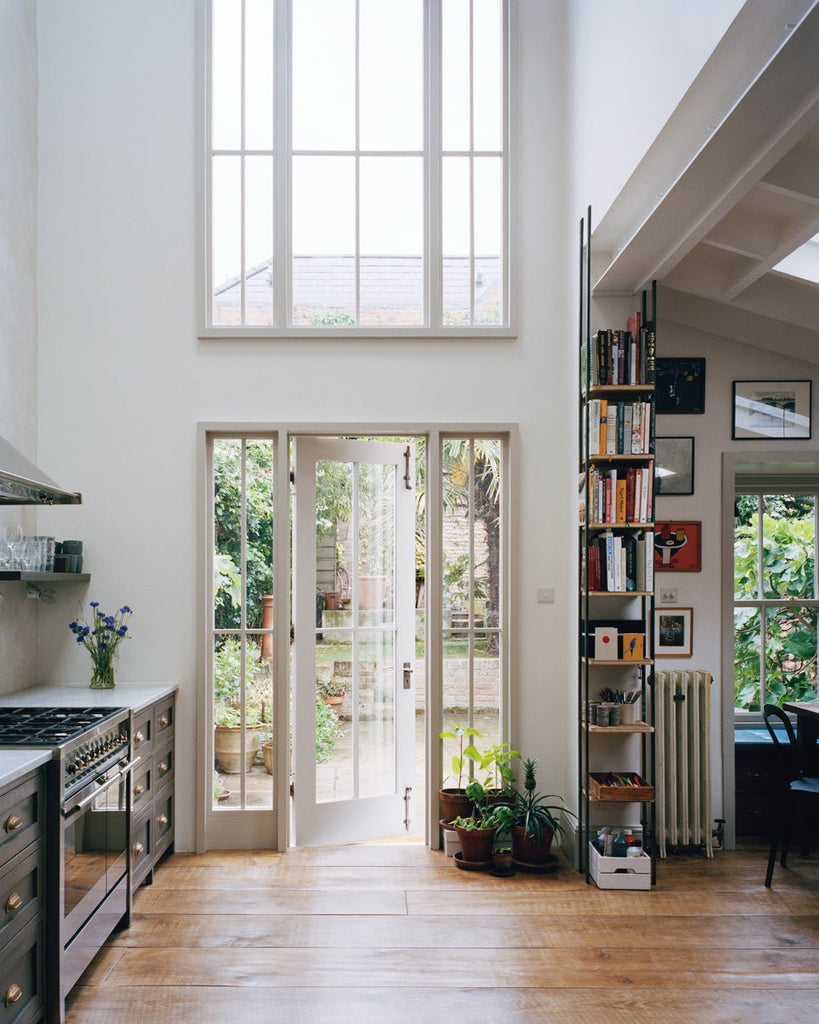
pixel 227 685
pixel 332 687
pixel 466 751
pixel 328 730
pixel 533 812
pixel 497 760
pixel 498 816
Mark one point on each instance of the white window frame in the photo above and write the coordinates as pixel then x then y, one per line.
pixel 433 326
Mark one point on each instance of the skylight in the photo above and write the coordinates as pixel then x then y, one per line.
pixel 803 262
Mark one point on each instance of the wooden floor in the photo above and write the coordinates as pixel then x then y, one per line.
pixel 396 934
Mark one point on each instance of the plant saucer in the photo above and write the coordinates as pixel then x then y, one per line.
pixel 551 864
pixel 471 865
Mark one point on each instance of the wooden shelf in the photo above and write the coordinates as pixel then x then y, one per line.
pixel 634 727
pixel 621 661
pixel 637 457
pixel 618 593
pixel 601 390
pixel 635 525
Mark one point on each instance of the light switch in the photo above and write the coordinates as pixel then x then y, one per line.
pixel 668 595
pixel 545 595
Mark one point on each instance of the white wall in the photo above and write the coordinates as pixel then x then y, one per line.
pixel 18 305
pixel 124 380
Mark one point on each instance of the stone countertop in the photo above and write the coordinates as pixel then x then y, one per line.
pixel 129 695
pixel 14 764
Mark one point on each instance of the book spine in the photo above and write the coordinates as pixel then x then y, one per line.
pixel 649 536
pixel 651 366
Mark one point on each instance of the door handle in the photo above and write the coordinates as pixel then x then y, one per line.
pixel 407 675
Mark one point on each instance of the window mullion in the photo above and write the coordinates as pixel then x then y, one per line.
pixel 283 165
pixel 433 170
pixel 357 180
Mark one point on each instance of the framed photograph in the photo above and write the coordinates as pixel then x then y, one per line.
pixel 674 465
pixel 677 547
pixel 673 633
pixel 771 409
pixel 680 385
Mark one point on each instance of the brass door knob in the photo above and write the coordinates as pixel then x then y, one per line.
pixel 139 789
pixel 163 720
pixel 138 849
pixel 14 902
pixel 13 822
pixel 162 820
pixel 139 737
pixel 162 767
pixel 13 994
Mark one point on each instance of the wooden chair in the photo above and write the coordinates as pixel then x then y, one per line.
pixel 795 795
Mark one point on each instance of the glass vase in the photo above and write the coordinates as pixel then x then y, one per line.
pixel 102 677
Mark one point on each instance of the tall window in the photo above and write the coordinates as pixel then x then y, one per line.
pixel 775 598
pixel 357 174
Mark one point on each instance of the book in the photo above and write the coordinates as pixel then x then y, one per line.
pixel 633 646
pixel 605 643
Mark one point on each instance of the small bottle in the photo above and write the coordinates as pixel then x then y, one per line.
pixel 628 836
pixel 619 846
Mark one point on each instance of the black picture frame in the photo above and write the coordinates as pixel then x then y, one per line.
pixel 680 384
pixel 771 410
pixel 674 465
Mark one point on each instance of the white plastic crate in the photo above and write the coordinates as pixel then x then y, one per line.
pixel 620 872
pixel 451 843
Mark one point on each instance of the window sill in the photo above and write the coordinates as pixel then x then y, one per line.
pixel 357 333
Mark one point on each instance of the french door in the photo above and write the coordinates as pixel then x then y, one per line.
pixel 354 595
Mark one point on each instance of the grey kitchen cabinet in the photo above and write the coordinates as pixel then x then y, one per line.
pixel 22 899
pixel 152 794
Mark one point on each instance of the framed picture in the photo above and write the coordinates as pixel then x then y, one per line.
pixel 677 547
pixel 680 385
pixel 672 632
pixel 771 409
pixel 674 465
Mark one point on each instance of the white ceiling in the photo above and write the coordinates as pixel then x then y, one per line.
pixel 739 201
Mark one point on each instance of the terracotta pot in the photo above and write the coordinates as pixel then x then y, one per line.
pixel 526 850
pixel 502 861
pixel 454 803
pixel 331 600
pixel 476 843
pixel 267 755
pixel 227 746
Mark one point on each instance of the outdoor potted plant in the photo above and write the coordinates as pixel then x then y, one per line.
pixel 227 716
pixel 477 831
pixel 535 820
pixel 453 800
pixel 332 691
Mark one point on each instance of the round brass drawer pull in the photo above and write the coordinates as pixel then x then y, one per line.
pixel 13 994
pixel 163 720
pixel 139 737
pixel 162 820
pixel 13 822
pixel 162 767
pixel 139 790
pixel 138 849
pixel 14 902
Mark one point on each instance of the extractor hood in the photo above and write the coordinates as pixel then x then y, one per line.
pixel 22 483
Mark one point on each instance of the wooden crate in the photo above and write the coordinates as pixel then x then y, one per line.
pixel 623 787
pixel 620 872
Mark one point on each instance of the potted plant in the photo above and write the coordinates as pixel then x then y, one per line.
pixel 497 760
pixel 535 820
pixel 332 691
pixel 453 800
pixel 477 831
pixel 227 714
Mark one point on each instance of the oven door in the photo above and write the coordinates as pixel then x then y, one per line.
pixel 95 846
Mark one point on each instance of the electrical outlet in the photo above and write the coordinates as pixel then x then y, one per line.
pixel 668 595
pixel 545 595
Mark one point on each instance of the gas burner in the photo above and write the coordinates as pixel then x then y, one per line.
pixel 49 727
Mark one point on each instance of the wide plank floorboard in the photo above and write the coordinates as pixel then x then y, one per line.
pixel 395 933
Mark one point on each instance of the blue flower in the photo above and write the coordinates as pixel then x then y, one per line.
pixel 125 610
pixel 94 604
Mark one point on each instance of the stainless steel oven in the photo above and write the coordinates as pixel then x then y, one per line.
pixel 93 873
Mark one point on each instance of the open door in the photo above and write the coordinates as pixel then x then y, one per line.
pixel 354 596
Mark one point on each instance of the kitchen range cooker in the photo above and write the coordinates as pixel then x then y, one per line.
pixel 88 828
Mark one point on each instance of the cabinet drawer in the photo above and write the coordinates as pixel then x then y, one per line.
pixel 141 784
pixel 22 885
pixel 163 823
pixel 142 846
pixel 144 732
pixel 163 768
pixel 21 816
pixel 21 976
pixel 164 720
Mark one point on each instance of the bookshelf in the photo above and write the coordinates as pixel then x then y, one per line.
pixel 615 707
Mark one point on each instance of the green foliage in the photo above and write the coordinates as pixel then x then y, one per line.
pixel 468 752
pixel 788 546
pixel 497 760
pixel 227 474
pixel 328 730
pixel 532 810
pixel 499 816
pixel 227 675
